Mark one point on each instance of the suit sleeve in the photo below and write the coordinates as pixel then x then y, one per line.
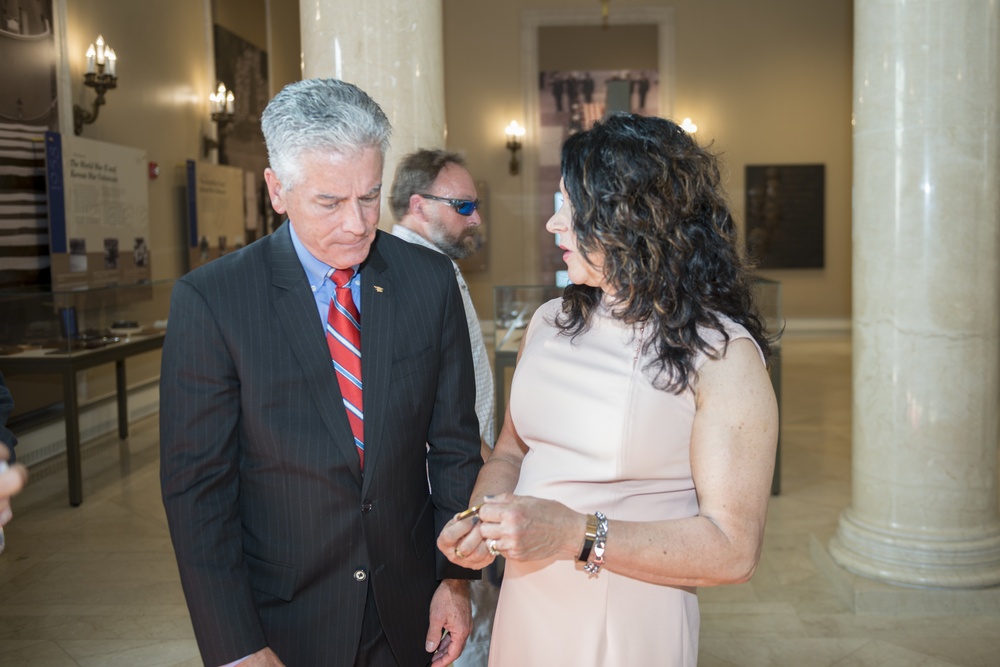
pixel 453 457
pixel 199 450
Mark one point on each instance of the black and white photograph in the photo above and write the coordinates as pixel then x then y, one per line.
pixel 140 251
pixel 110 254
pixel 78 255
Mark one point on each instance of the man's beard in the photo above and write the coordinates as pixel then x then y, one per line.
pixel 456 247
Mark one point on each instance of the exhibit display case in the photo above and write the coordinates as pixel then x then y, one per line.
pixel 39 322
pixel 767 295
pixel 513 306
pixel 64 332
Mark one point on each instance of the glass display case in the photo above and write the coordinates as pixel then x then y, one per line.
pixel 63 332
pixel 513 306
pixel 767 295
pixel 38 322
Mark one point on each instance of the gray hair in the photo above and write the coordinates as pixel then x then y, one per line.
pixel 415 174
pixel 320 114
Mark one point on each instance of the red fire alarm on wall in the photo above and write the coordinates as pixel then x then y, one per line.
pixel 154 171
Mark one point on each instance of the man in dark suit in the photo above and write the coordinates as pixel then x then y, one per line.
pixel 305 536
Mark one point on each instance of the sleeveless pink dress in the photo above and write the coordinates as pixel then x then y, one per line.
pixel 600 437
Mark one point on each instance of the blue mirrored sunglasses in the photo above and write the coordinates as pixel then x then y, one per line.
pixel 461 206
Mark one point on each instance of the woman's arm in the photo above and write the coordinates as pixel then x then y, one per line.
pixel 732 460
pixel 460 541
pixel 501 471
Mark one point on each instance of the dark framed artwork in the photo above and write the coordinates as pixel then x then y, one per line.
pixel 785 207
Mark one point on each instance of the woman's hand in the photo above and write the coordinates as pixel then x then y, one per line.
pixel 526 528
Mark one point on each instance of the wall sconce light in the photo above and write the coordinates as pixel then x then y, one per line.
pixel 102 76
pixel 223 104
pixel 514 133
pixel 688 126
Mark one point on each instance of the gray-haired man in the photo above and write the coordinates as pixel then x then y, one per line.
pixel 295 483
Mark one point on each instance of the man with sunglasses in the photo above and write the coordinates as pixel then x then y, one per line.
pixel 434 201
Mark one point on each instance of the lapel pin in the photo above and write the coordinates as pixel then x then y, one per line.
pixel 378 289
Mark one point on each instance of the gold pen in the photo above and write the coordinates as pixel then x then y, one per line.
pixel 465 514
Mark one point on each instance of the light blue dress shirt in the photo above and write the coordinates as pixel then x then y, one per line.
pixel 323 288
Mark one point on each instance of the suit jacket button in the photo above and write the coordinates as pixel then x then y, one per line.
pixel 360 575
pixel 366 508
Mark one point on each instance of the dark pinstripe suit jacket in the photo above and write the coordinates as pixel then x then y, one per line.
pixel 275 529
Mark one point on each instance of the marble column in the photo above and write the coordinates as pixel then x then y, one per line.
pixel 391 49
pixel 926 276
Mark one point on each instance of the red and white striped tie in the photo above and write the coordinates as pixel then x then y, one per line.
pixel 343 336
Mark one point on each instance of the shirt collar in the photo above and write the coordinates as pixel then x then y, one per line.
pixel 408 234
pixel 411 236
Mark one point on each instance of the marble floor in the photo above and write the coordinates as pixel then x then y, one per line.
pixel 96 585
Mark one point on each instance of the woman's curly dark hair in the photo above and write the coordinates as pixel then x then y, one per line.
pixel 648 197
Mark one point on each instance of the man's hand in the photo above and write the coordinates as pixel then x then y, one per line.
pixel 461 542
pixel 262 658
pixel 451 611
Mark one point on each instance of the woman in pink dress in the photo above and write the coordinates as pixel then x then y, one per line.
pixel 635 461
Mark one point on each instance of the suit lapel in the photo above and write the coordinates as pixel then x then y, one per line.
pixel 296 309
pixel 377 315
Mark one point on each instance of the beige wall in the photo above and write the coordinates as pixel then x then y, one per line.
pixel 568 48
pixel 245 18
pixel 285 52
pixel 769 81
